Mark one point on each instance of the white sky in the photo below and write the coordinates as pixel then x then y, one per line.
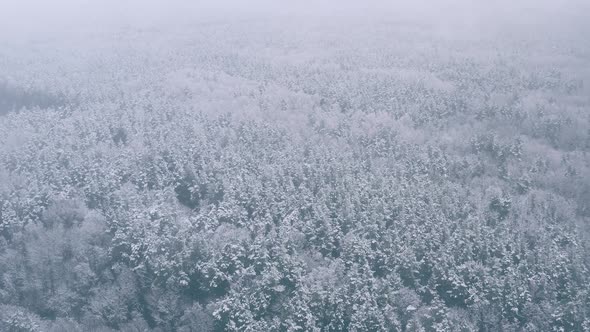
pixel 36 18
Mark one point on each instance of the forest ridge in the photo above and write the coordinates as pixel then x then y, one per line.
pixel 354 172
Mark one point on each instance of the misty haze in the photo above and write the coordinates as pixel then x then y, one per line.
pixel 307 166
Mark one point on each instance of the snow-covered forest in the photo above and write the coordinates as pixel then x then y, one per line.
pixel 349 168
